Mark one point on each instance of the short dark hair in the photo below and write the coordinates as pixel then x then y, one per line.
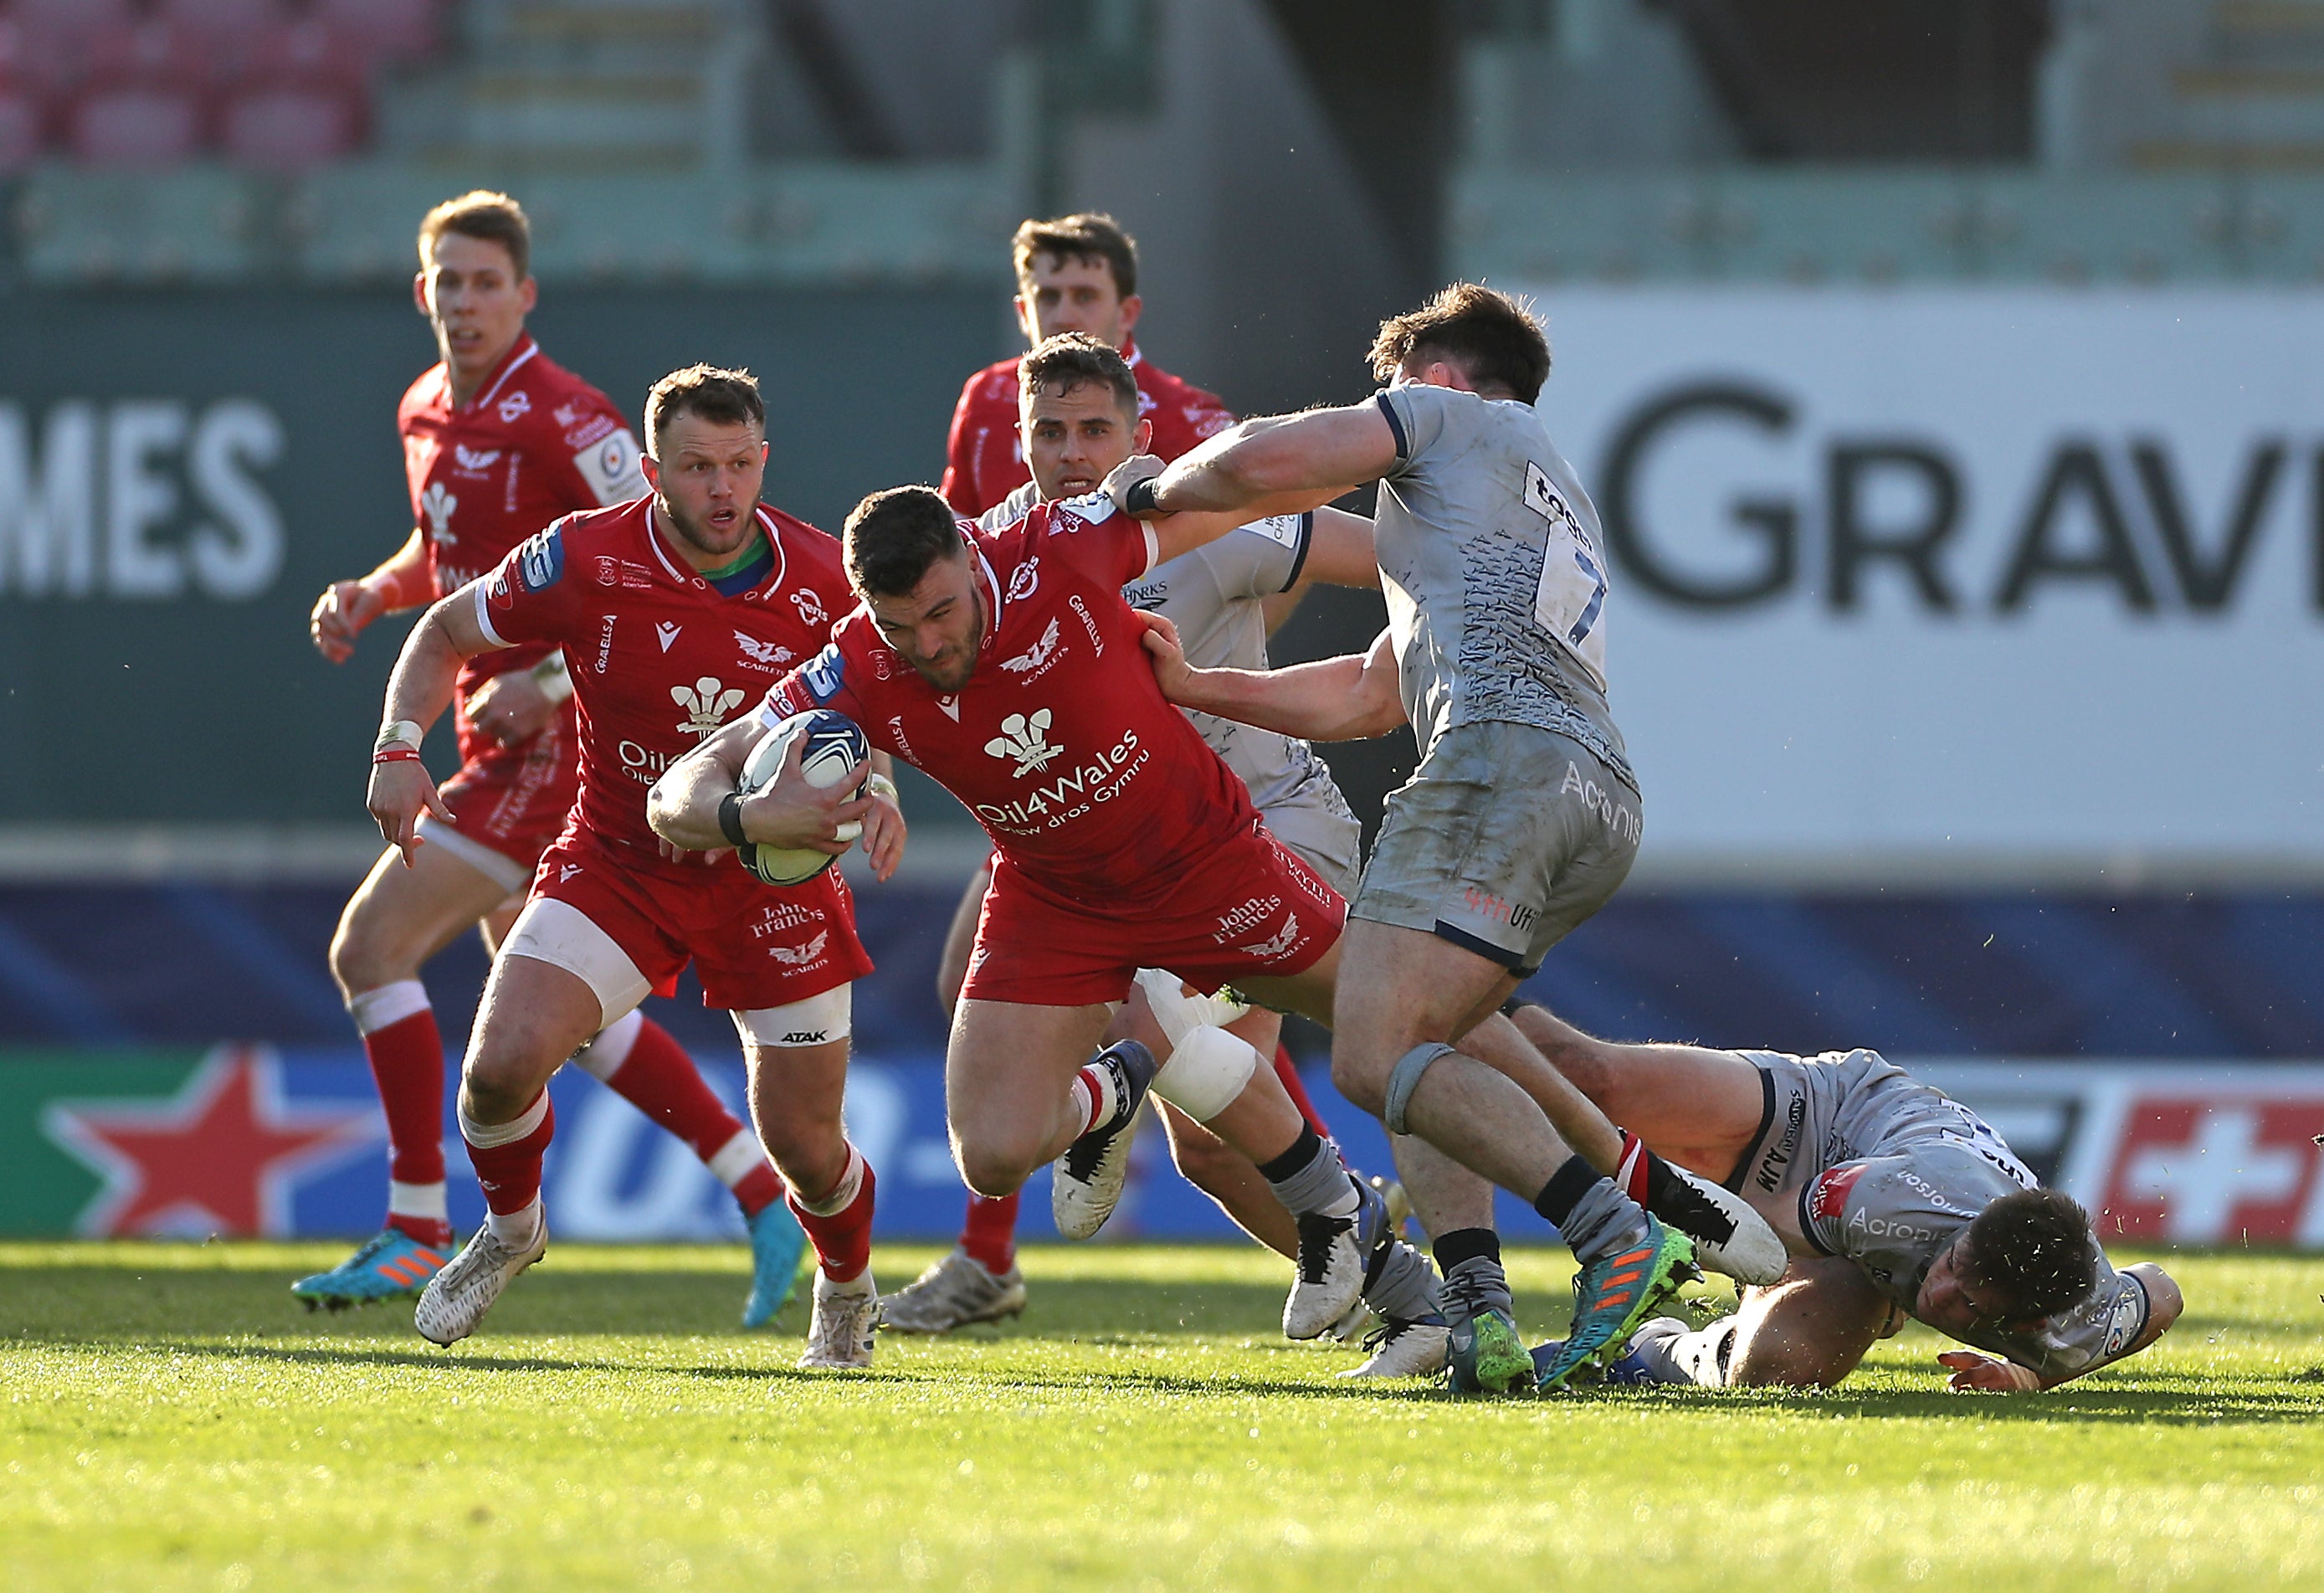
pixel 893 536
pixel 1088 235
pixel 1493 337
pixel 481 213
pixel 2034 1251
pixel 1070 359
pixel 722 398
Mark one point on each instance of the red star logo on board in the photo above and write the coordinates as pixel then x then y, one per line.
pixel 220 1157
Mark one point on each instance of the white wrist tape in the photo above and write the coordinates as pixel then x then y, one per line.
pixel 879 785
pixel 399 733
pixel 550 675
pixel 1206 1072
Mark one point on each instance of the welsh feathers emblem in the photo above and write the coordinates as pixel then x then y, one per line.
pixel 1025 739
pixel 707 707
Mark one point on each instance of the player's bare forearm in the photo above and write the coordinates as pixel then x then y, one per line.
pixel 683 804
pixel 401 578
pixel 348 607
pixel 425 671
pixel 1269 465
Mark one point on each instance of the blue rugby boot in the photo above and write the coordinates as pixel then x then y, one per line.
pixel 390 1265
pixel 1614 1294
pixel 777 1244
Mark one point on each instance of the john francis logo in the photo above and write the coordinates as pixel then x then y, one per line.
pixel 706 704
pixel 1025 739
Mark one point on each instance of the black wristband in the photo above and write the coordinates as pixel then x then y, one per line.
pixel 729 819
pixel 1139 503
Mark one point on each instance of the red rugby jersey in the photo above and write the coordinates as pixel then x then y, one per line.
pixel 536 442
pixel 1091 783
pixel 659 658
pixel 984 457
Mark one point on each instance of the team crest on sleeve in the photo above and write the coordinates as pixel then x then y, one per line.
pixel 1827 1199
pixel 825 674
pixel 541 561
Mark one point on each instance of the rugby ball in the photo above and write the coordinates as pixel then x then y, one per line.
pixel 832 752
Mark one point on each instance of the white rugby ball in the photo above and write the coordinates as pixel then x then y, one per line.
pixel 832 751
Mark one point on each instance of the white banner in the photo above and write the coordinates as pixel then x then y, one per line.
pixel 1912 578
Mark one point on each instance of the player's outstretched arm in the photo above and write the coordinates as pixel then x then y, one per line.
pixel 346 606
pixel 418 692
pixel 1260 462
pixel 689 807
pixel 1346 699
pixel 1974 1372
pixel 1339 554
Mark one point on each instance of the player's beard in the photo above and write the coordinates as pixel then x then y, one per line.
pixel 955 676
pixel 703 538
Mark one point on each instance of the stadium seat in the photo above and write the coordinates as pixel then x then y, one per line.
pixel 24 125
pixel 54 38
pixel 135 123
pixel 289 126
pixel 234 33
pixel 386 30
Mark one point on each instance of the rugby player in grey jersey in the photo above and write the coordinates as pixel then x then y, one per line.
pixel 1523 817
pixel 1896 1200
pixel 1080 419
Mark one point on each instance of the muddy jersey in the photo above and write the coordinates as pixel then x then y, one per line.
pixel 659 658
pixel 984 454
pixel 1889 1172
pixel 1213 594
pixel 1090 782
pixel 1494 571
pixel 536 442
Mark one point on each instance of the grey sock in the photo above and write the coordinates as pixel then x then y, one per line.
pixel 1475 1286
pixel 1323 1185
pixel 1405 1288
pixel 1672 1354
pixel 1602 1221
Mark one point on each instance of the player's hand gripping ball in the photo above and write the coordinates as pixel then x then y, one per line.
pixel 832 752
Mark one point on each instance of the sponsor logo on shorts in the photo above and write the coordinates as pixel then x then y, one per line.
pixel 1024 580
pixel 707 703
pixel 799 956
pixel 1275 945
pixel 1246 918
pixel 1496 910
pixel 1034 661
pixel 810 607
pixel 1026 739
pixel 1616 816
pixel 805 1037
pixel 1829 1197
pixel 1770 1176
pixel 781 917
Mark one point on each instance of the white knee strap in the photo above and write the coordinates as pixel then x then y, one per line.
pixel 1206 1072
pixel 605 1052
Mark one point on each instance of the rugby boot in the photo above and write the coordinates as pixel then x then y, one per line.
pixel 840 1336
pixel 390 1265
pixel 777 1244
pixel 1402 1349
pixel 1335 1253
pixel 456 1299
pixel 954 1292
pixel 1086 1183
pixel 1614 1294
pixel 1482 1351
pixel 1729 1236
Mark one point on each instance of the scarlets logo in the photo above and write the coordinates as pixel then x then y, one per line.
pixel 799 956
pixel 763 654
pixel 706 704
pixel 473 461
pixel 1275 945
pixel 1026 739
pixel 1030 661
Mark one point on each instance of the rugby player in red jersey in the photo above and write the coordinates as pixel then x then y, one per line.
pixel 1077 273
pixel 497 442
pixel 672 609
pixel 1008 666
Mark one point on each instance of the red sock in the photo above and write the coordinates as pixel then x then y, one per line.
pixel 1289 1074
pixel 842 1238
pixel 406 1054
pixel 509 1168
pixel 989 1235
pixel 660 1079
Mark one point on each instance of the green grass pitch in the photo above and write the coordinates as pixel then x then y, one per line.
pixel 173 1422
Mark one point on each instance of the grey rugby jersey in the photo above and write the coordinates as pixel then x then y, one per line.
pixel 1211 593
pixel 1494 571
pixel 1894 1215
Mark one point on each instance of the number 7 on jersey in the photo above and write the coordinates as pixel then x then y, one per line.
pixel 1571 596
